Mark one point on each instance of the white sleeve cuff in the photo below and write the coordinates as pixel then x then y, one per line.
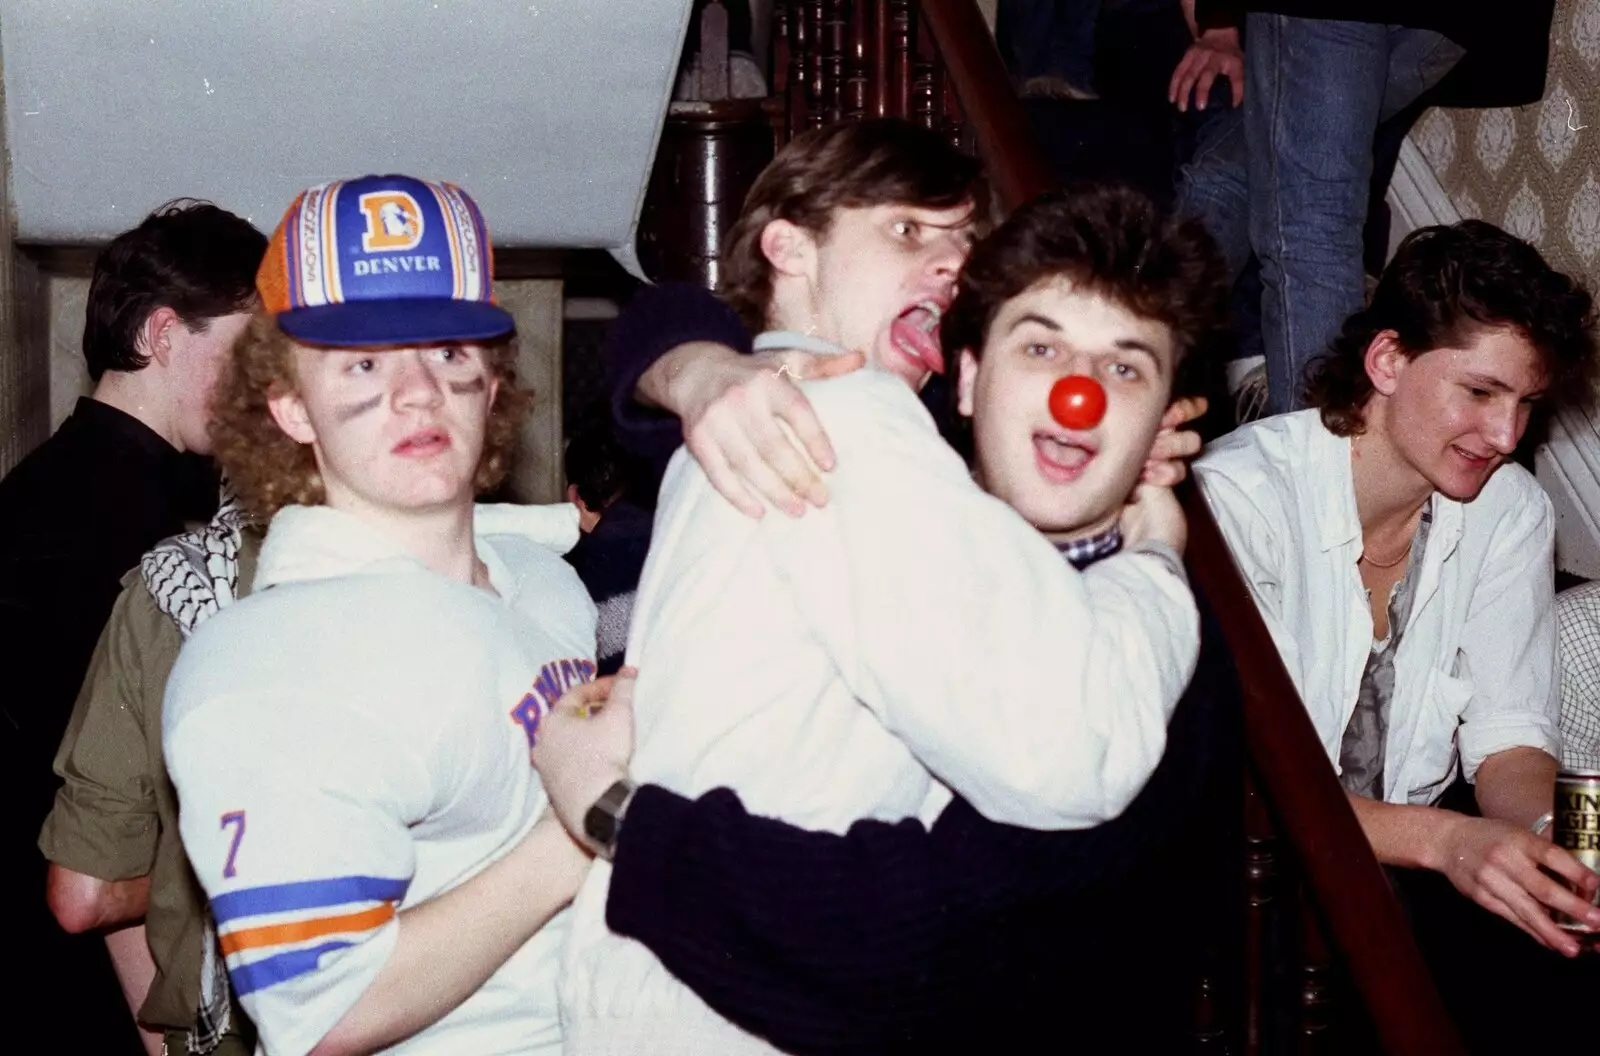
pixel 1168 556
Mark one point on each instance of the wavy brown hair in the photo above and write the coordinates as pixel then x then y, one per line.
pixel 1445 284
pixel 270 471
pixel 1107 239
pixel 853 165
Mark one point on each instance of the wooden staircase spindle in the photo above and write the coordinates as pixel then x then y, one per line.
pixel 799 64
pixel 833 61
pixel 879 76
pixel 814 18
pixel 952 120
pixel 1209 1037
pixel 1261 883
pixel 780 75
pixel 1318 1005
pixel 857 62
pixel 900 53
pixel 922 109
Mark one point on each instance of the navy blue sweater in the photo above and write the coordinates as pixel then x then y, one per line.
pixel 969 936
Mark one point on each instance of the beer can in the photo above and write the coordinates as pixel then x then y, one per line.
pixel 1577 827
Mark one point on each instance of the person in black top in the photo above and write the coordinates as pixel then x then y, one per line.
pixel 616 533
pixel 125 470
pixel 969 935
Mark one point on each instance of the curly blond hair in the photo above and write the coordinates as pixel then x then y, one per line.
pixel 270 470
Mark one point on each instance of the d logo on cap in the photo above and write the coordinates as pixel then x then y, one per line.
pixel 382 261
pixel 394 221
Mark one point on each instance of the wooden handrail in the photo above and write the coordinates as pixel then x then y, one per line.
pixel 1362 912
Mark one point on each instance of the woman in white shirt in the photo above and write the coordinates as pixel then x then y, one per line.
pixel 1405 568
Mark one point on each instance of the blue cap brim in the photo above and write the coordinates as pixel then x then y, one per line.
pixel 412 321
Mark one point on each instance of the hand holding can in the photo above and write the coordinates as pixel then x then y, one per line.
pixel 1576 829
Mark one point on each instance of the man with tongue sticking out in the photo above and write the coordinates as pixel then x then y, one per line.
pixel 912 637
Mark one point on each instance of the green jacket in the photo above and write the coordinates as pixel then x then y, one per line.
pixel 116 815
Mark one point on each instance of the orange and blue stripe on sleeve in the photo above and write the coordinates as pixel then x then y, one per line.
pixel 276 933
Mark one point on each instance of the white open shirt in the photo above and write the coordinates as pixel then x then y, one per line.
pixel 1476 669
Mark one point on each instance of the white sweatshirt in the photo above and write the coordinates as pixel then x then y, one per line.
pixel 349 741
pixel 914 634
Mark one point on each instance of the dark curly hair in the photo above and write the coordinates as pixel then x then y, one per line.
pixel 853 165
pixel 1107 239
pixel 269 470
pixel 1444 284
pixel 188 255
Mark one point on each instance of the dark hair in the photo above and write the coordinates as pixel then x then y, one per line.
pixel 190 256
pixel 1107 239
pixel 1444 284
pixel 853 165
pixel 597 465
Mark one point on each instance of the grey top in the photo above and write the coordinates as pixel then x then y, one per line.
pixel 1361 752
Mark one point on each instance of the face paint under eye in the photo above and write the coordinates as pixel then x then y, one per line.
pixel 469 388
pixel 356 410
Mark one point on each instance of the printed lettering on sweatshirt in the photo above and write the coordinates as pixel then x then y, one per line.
pixel 554 679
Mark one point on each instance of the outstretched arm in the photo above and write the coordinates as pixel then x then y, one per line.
pixel 817 941
pixel 656 322
pixel 828 943
pixel 680 372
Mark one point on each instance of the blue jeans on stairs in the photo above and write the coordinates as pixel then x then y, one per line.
pixel 1287 175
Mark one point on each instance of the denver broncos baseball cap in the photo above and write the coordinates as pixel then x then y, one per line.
pixel 382 260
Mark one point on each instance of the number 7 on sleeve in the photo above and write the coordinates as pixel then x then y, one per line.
pixel 235 818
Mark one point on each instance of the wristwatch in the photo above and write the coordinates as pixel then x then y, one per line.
pixel 603 821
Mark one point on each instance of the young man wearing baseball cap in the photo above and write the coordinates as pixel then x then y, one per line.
pixel 350 743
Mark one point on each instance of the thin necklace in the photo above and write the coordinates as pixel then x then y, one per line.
pixel 1387 564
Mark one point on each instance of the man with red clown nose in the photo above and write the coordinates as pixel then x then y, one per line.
pixel 911 638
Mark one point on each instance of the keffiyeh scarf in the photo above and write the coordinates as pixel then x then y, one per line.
pixel 192 577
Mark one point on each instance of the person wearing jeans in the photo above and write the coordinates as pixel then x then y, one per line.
pixel 1287 175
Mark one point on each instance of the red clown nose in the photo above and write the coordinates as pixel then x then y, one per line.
pixel 1077 402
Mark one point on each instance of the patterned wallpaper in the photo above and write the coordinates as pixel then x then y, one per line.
pixel 1534 170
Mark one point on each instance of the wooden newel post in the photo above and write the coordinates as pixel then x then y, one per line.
pixel 711 152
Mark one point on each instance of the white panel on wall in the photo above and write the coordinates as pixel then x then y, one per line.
pixel 547 111
pixel 69 374
pixel 1532 170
